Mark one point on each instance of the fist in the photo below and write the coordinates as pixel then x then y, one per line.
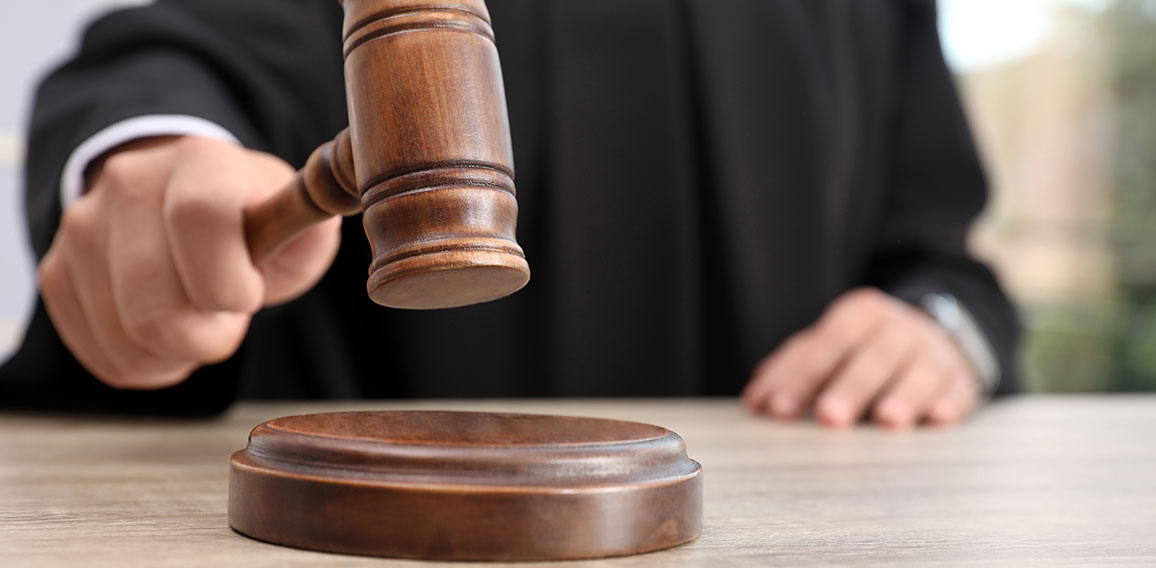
pixel 868 353
pixel 149 275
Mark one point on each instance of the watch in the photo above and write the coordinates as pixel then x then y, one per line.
pixel 957 321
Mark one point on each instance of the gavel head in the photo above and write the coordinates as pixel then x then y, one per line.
pixel 429 148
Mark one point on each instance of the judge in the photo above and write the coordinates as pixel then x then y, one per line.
pixel 769 198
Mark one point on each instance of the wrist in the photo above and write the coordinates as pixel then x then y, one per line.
pixel 104 143
pixel 953 318
pixel 93 169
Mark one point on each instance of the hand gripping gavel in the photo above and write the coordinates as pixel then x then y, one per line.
pixel 427 158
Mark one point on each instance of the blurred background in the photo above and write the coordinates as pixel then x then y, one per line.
pixel 1062 99
pixel 36 36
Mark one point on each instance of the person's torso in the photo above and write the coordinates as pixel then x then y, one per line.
pixel 696 181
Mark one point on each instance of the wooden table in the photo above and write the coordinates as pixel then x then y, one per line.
pixel 1058 481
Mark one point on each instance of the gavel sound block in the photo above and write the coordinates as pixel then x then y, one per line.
pixel 465 486
pixel 427 158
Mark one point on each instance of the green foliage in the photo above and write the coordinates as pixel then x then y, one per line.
pixel 1136 350
pixel 1132 28
pixel 1110 343
pixel 1068 348
pixel 1133 31
pixel 1104 346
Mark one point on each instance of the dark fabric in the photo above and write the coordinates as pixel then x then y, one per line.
pixel 697 180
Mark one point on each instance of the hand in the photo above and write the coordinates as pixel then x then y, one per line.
pixel 868 352
pixel 149 275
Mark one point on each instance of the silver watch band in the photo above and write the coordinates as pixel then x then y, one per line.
pixel 958 323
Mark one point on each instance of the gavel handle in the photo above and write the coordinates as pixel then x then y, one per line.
pixel 320 190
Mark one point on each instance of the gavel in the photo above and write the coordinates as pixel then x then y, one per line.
pixel 426 158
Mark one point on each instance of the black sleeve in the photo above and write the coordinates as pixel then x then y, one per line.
pixel 937 190
pixel 269 71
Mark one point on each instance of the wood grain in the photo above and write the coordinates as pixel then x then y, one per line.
pixel 427 157
pixel 1055 481
pixel 443 485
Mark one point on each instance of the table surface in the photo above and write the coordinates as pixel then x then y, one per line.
pixel 1053 480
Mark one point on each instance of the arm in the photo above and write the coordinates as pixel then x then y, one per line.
pixel 870 353
pixel 267 72
pixel 241 66
pixel 938 190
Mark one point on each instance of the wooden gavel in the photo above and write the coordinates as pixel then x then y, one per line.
pixel 427 158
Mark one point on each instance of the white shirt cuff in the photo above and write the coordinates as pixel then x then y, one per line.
pixel 72 179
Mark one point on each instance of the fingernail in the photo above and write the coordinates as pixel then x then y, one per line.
pixel 893 414
pixel 784 406
pixel 939 414
pixel 835 412
pixel 752 404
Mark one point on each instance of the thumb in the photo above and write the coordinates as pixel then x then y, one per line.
pixel 299 264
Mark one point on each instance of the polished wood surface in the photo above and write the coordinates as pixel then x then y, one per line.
pixel 1045 481
pixel 465 485
pixel 427 157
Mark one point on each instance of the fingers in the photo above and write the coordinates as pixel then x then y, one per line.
pixel 868 353
pixel 163 319
pixel 72 325
pixel 906 402
pixel 202 213
pixel 87 314
pixel 778 383
pixel 298 265
pixel 150 277
pixel 957 400
pixel 785 383
pixel 870 368
pixel 112 281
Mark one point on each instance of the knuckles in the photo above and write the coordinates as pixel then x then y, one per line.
pixel 179 339
pixel 898 340
pixel 830 336
pixel 125 176
pixel 76 221
pixel 50 274
pixel 190 211
pixel 187 146
pixel 873 302
pixel 119 170
pixel 866 298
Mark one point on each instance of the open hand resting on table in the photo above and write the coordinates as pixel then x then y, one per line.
pixel 868 353
pixel 149 276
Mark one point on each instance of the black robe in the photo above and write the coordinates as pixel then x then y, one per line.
pixel 697 180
